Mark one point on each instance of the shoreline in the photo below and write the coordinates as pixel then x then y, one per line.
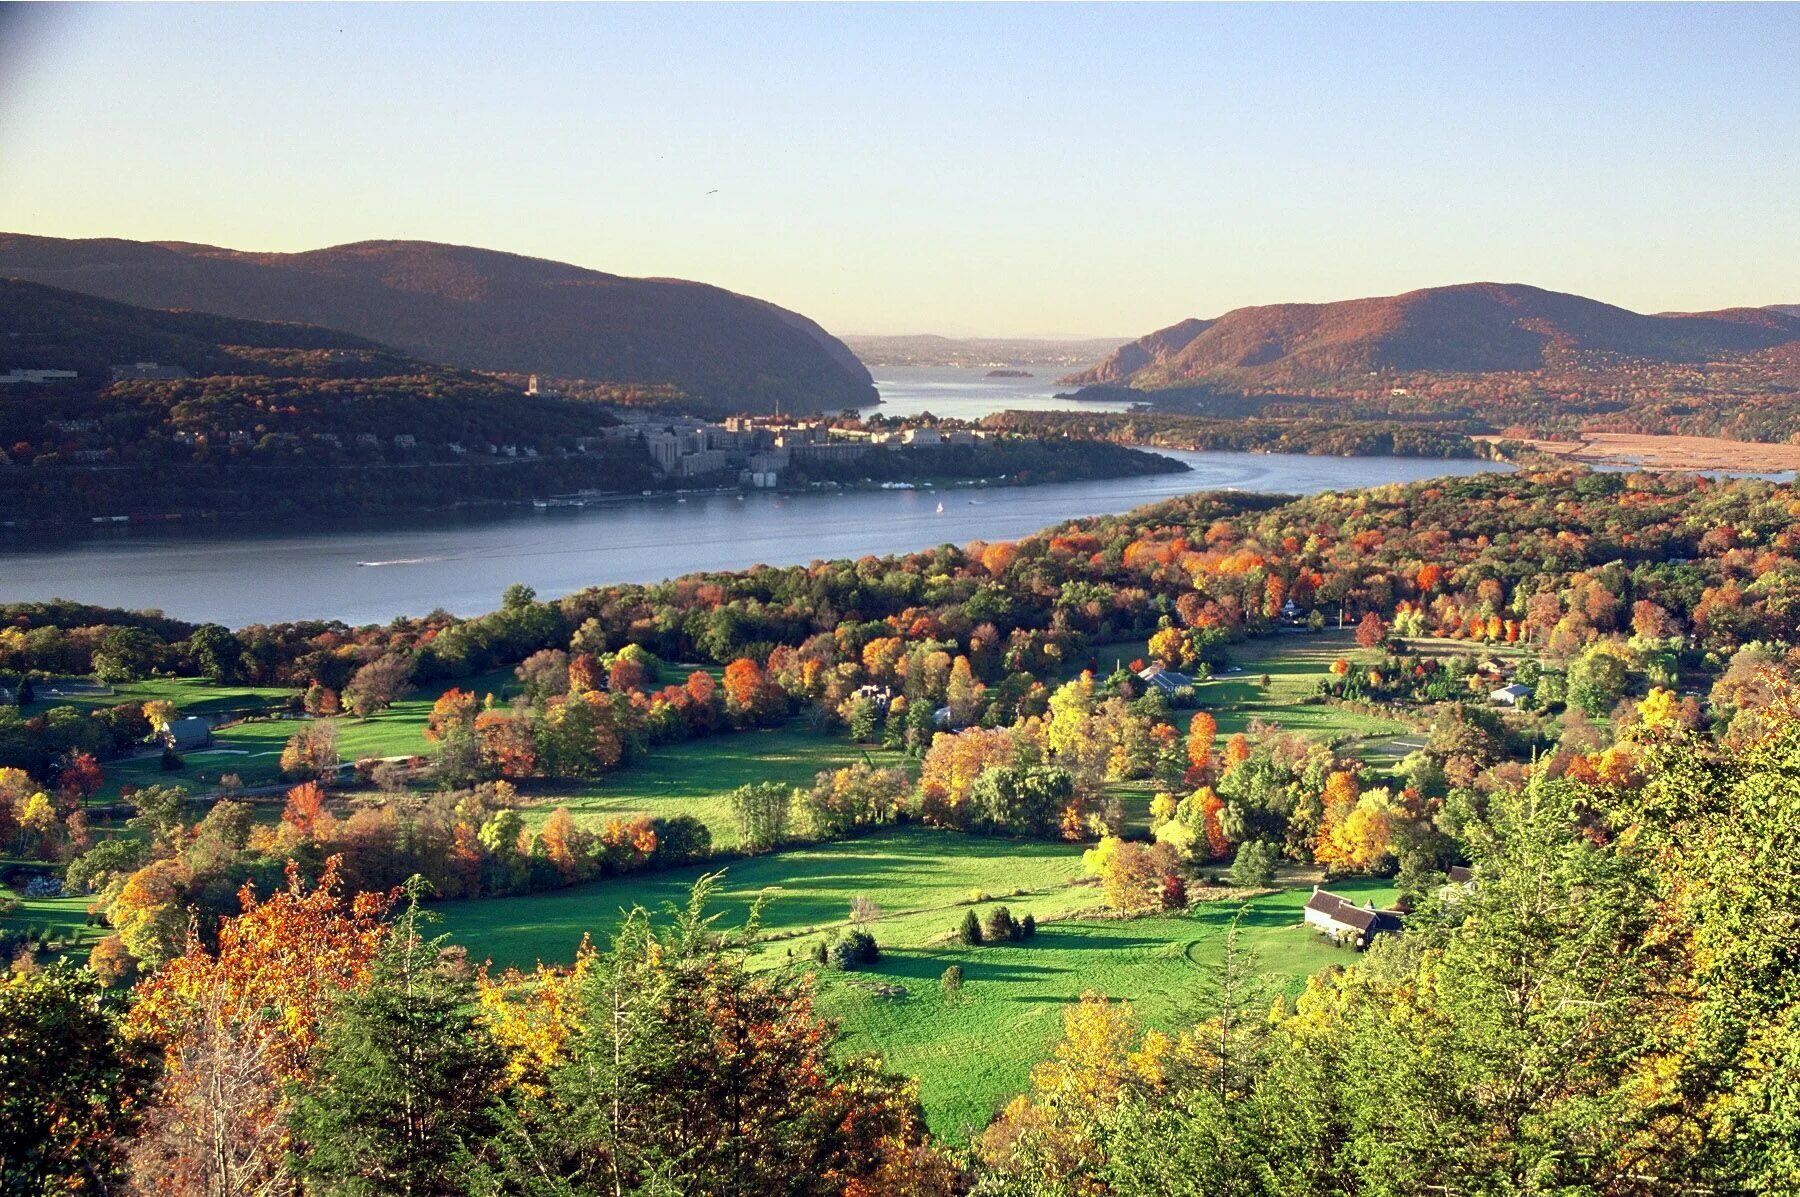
pixel 24 533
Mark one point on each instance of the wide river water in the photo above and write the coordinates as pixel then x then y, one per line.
pixel 971 394
pixel 463 563
pixel 370 574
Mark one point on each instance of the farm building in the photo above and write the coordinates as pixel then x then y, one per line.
pixel 1346 922
pixel 185 735
pixel 1165 679
pixel 1510 696
pixel 1460 884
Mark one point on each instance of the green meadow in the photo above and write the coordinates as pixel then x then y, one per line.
pixel 693 777
pixel 972 1052
pixel 65 918
pixel 252 749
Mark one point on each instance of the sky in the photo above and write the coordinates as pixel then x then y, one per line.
pixel 1003 170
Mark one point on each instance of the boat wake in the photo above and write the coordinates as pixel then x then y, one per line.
pixel 402 561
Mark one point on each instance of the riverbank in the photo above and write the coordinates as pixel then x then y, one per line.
pixel 60 503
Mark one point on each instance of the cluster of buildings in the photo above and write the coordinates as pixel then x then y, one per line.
pixel 35 377
pixel 761 450
pixel 129 372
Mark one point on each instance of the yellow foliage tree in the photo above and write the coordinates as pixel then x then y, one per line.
pixel 1660 708
pixel 1162 809
pixel 532 1017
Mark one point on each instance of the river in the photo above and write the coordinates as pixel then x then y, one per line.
pixel 971 394
pixel 462 563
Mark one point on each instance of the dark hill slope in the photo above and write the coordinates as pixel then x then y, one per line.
pixel 49 328
pixel 1473 328
pixel 480 309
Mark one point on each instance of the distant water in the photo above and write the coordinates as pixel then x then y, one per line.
pixel 970 394
pixel 463 562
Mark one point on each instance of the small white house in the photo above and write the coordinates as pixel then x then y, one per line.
pixel 1510 695
pixel 1345 922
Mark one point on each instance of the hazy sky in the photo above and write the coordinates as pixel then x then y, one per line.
pixel 1008 169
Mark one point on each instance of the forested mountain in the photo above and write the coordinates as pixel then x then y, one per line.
pixel 1472 328
pixel 481 309
pixel 235 416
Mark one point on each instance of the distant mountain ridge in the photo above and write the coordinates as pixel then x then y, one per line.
pixel 480 309
pixel 1470 328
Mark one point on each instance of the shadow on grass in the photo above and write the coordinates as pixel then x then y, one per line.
pixel 1094 936
pixel 913 966
pixel 807 886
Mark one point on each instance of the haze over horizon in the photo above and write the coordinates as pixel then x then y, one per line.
pixel 1005 171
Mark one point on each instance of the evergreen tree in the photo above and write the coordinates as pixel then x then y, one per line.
pixel 970 933
pixel 402 1094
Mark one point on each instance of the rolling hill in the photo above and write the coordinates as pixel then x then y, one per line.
pixel 481 309
pixel 1472 328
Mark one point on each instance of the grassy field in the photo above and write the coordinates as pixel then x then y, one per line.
pixel 1295 664
pixel 67 919
pixel 252 749
pixel 693 777
pixel 972 1053
pixel 914 874
pixel 191 695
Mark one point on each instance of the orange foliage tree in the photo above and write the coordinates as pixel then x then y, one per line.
pixel 239 1025
pixel 749 697
pixel 507 745
pixel 953 763
pixel 305 803
pixel 451 715
pixel 1203 729
pixel 998 558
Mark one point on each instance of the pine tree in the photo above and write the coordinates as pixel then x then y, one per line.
pixel 401 1096
pixel 970 934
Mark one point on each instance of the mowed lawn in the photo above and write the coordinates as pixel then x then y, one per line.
pixel 914 874
pixel 972 1053
pixel 252 749
pixel 66 919
pixel 191 695
pixel 693 777
pixel 1295 663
